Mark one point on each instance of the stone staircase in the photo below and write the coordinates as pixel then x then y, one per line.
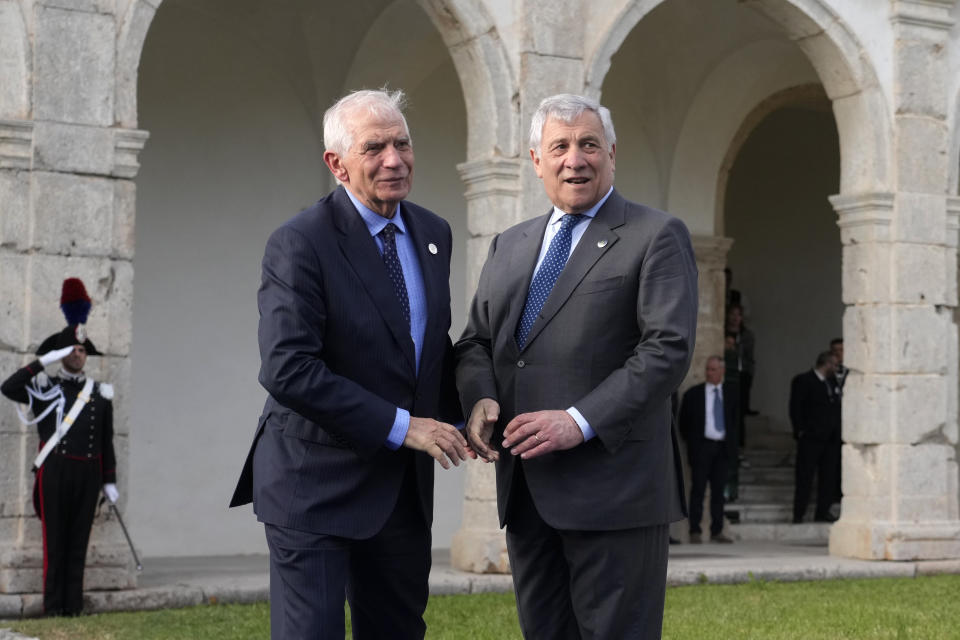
pixel 763 510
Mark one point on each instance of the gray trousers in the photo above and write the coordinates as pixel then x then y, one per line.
pixel 573 585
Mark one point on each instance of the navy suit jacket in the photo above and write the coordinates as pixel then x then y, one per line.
pixel 337 360
pixel 693 416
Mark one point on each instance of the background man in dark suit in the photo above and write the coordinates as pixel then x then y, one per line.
pixel 568 365
pixel 708 424
pixel 354 313
pixel 815 411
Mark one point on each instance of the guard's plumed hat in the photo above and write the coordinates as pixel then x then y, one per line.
pixel 75 304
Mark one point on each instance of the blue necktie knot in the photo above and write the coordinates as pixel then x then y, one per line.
pixel 546 276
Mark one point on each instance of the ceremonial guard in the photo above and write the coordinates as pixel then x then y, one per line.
pixel 74 417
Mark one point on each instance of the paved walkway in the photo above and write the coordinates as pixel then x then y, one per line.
pixel 185 581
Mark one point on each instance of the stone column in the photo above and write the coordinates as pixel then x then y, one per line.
pixel 711 253
pixel 899 285
pixel 66 209
pixel 493 189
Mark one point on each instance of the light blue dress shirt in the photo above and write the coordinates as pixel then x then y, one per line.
pixel 413 278
pixel 552 228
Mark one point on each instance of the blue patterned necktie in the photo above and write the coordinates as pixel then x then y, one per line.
pixel 718 420
pixel 390 258
pixel 546 276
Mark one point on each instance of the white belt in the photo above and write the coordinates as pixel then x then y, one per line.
pixel 64 425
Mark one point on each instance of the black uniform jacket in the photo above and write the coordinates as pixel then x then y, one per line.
pixel 91 436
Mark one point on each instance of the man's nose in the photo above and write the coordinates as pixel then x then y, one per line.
pixel 391 157
pixel 575 158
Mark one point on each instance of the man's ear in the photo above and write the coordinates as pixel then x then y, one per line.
pixel 536 163
pixel 335 164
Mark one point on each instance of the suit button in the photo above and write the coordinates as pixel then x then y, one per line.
pixel 521 364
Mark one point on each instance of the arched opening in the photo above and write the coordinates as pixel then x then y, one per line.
pixel 739 116
pixel 233 94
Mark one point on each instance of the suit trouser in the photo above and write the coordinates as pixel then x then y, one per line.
pixel 708 463
pixel 584 584
pixel 384 578
pixel 815 457
pixel 67 491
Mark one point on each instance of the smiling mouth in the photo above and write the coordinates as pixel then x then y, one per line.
pixel 577 180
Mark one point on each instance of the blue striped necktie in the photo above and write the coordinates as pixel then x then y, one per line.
pixel 392 261
pixel 546 276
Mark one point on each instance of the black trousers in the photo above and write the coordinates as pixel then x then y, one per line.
pixel 67 490
pixel 709 463
pixel 584 584
pixel 384 578
pixel 820 458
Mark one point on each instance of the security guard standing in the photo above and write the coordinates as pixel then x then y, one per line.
pixel 74 418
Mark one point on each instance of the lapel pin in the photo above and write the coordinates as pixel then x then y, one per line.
pixel 432 248
pixel 602 244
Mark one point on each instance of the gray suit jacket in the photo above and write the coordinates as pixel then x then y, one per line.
pixel 614 339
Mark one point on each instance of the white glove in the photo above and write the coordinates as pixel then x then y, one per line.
pixel 110 490
pixel 55 356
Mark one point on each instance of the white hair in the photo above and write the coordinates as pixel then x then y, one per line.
pixel 567 107
pixel 337 132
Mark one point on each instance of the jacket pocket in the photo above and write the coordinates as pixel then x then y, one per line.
pixel 596 286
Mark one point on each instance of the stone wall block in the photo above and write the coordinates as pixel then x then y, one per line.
pixel 553 28
pixel 872 332
pixel 868 408
pixel 14 209
pixel 73 148
pixel 13 284
pixel 116 291
pixel 10 531
pixel 920 336
pixel 16 138
pixel 919 274
pixel 74 214
pixel 919 88
pixel 74 66
pixel 922 154
pixel 865 273
pixel 921 471
pixel 124 217
pixel 869 169
pixel 88 6
pixel 481 481
pixel 920 218
pixel 912 508
pixel 866 472
pixel 12 485
pixel 865 509
pixel 480 514
pixel 838 80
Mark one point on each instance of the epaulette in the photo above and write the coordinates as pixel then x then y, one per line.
pixel 106 390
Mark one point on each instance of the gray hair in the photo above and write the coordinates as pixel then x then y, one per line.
pixel 337 133
pixel 718 359
pixel 567 107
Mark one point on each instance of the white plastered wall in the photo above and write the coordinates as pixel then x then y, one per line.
pixel 235 150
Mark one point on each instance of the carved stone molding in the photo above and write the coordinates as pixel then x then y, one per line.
pixel 16 142
pixel 933 14
pixel 491 176
pixel 127 146
pixel 864 217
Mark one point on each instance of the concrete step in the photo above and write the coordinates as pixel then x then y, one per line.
pixel 767 475
pixel 766 493
pixel 768 457
pixel 773 440
pixel 807 533
pixel 762 512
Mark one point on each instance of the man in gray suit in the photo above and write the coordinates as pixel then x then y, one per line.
pixel 582 326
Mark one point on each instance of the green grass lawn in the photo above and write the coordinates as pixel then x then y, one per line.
pixel 905 608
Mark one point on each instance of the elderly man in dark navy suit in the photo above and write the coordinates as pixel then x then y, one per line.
pixel 354 314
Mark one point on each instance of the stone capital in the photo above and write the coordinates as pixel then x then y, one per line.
pixel 929 14
pixel 711 251
pixel 16 143
pixel 492 176
pixel 864 217
pixel 128 143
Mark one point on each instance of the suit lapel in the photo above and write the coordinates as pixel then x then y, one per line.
pixel 523 261
pixel 598 238
pixel 361 252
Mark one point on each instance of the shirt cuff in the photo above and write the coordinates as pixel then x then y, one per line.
pixel 585 427
pixel 398 432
